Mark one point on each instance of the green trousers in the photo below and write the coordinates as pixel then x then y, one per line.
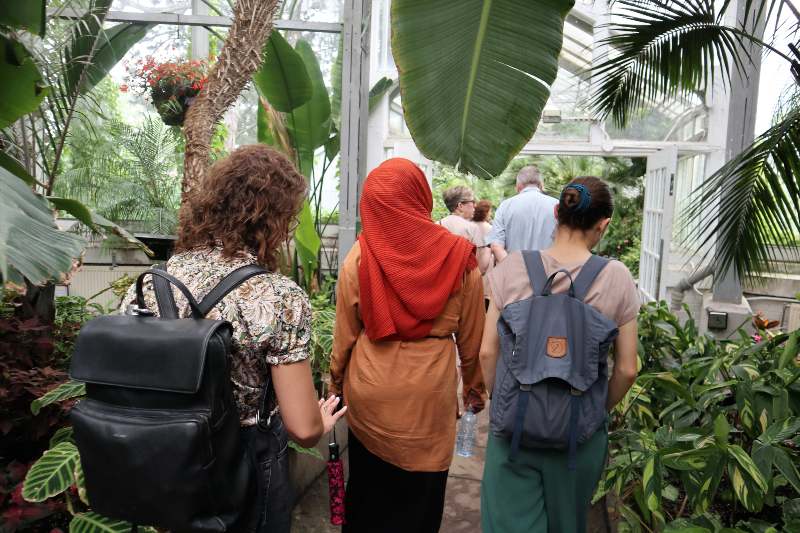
pixel 538 493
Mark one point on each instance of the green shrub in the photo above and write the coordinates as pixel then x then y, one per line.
pixel 707 438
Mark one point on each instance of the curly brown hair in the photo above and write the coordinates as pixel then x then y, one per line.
pixel 482 209
pixel 245 203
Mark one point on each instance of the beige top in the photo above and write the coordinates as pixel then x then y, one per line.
pixel 485 257
pixel 613 293
pixel 401 395
pixel 463 228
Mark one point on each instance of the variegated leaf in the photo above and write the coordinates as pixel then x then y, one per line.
pixel 52 474
pixel 95 523
pixel 651 482
pixel 65 391
pixel 786 466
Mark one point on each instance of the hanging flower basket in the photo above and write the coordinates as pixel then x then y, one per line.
pixel 172 86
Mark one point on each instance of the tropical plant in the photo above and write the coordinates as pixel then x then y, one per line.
pixel 474 97
pixel 298 116
pixel 49 75
pixel 239 58
pixel 668 49
pixel 322 326
pixel 709 436
pixel 134 179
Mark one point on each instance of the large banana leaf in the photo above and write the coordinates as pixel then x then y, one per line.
pixel 13 166
pixel 30 243
pixel 22 88
pixel 336 85
pixel 30 15
pixel 271 129
pixel 282 78
pixel 378 90
pixel 475 75
pixel 310 123
pixel 96 222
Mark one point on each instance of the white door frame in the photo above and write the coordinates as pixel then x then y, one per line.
pixel 659 204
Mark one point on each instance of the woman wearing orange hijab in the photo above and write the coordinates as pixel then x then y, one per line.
pixel 406 291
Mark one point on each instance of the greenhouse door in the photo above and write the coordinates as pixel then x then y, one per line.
pixel 659 199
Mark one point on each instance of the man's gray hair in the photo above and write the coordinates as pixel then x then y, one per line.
pixel 530 176
pixel 455 195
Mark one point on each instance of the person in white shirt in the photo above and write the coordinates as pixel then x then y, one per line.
pixel 526 221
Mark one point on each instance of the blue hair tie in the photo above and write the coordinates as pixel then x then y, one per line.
pixel 585 197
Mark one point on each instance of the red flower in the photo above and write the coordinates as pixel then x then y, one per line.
pixel 123 88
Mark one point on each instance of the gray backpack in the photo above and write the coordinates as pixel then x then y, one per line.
pixel 552 375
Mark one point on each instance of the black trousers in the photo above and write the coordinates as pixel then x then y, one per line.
pixel 382 498
pixel 269 509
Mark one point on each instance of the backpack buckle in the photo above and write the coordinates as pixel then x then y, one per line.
pixel 526 387
pixel 135 310
pixel 575 392
pixel 258 420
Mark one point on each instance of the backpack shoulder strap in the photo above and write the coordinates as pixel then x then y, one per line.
pixel 536 273
pixel 167 308
pixel 229 283
pixel 591 269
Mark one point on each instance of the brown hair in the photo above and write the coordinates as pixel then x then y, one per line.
pixel 481 211
pixel 245 203
pixel 584 202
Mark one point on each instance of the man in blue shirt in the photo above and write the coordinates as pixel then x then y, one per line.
pixel 526 221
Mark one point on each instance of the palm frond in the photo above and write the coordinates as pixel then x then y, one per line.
pixel 664 50
pixel 757 222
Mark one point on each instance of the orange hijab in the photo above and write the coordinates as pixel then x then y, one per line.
pixel 410 266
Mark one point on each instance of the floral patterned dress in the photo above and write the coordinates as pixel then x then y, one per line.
pixel 270 314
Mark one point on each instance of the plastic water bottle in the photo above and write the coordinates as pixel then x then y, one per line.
pixel 465 439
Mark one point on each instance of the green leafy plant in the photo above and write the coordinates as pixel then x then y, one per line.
pixel 46 84
pixel 708 436
pixel 322 327
pixel 135 180
pixel 300 117
pixel 673 49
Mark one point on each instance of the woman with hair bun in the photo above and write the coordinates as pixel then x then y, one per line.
pixel 546 490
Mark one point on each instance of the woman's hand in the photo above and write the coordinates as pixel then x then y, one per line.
pixel 327 408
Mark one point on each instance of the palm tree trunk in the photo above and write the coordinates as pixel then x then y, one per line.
pixel 240 58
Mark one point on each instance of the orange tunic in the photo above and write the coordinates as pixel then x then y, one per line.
pixel 401 395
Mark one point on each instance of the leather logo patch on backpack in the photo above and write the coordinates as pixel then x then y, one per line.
pixel 556 347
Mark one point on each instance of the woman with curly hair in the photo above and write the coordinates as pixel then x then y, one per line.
pixel 240 214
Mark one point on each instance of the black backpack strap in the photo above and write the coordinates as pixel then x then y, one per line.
pixel 156 273
pixel 263 415
pixel 167 308
pixel 536 273
pixel 591 269
pixel 229 283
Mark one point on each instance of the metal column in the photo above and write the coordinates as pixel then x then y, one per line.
pixel 200 45
pixel 355 112
pixel 735 124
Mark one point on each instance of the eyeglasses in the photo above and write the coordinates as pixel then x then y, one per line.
pixel 467 202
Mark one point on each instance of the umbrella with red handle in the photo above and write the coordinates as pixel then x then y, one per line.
pixel 335 481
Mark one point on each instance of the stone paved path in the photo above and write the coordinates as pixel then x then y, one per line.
pixel 462 500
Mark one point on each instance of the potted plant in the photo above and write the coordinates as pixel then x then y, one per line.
pixel 172 85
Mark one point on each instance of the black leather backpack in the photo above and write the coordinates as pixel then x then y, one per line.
pixel 158 432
